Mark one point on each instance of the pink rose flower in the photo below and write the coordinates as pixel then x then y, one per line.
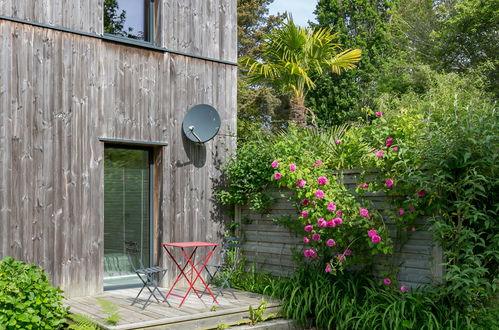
pixel 401 212
pixel 379 154
pixel 339 213
pixel 375 239
pixel 308 228
pixel 314 165
pixel 277 176
pixel 389 183
pixel 411 208
pixel 365 213
pixel 318 162
pixel 310 253
pixel 322 223
pixel 322 180
pixel 292 167
pixel 316 237
pixel 422 193
pixel 337 141
pixel 330 224
pixel 330 242
pixel 413 229
pixel 319 194
pixel 387 281
pixel 372 232
pixel 403 288
pixel 274 164
pixel 388 144
pixel 365 186
pixel 390 139
pixel 306 240
pixel 341 257
pixel 328 268
pixel 337 221
pixel 301 183
pixel 331 207
pixel 347 252
pixel 304 202
pixel 395 148
pixel 379 113
pixel 313 202
pixel 304 213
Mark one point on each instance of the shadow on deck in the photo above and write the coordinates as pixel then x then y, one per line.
pixel 195 313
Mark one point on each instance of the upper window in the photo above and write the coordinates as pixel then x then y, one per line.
pixel 129 19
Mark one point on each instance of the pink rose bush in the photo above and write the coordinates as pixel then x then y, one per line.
pixel 326 211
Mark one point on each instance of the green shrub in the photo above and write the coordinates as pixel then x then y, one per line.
pixel 355 300
pixel 27 300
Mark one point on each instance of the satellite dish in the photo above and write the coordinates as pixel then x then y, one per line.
pixel 201 123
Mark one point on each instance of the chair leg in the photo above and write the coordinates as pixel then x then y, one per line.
pixel 149 282
pixel 140 292
pixel 211 277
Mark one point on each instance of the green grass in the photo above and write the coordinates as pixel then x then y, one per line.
pixel 356 301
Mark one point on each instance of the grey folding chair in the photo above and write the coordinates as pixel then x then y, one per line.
pixel 227 263
pixel 149 276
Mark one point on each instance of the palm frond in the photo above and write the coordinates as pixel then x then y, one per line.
pixel 344 61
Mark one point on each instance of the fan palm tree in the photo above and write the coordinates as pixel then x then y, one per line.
pixel 290 53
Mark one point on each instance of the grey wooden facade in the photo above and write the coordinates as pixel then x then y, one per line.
pixel 63 86
pixel 417 258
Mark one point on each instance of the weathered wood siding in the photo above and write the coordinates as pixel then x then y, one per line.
pixel 270 246
pixel 59 93
pixel 85 16
pixel 199 27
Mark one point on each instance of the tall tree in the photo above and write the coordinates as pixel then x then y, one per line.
pixel 257 105
pixel 289 54
pixel 361 24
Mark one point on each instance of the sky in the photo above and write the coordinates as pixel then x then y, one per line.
pixel 302 10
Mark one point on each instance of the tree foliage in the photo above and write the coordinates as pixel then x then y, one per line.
pixel 290 53
pixel 360 24
pixel 259 107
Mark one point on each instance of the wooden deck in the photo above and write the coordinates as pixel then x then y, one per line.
pixel 195 313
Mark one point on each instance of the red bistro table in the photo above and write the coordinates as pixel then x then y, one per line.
pixel 190 261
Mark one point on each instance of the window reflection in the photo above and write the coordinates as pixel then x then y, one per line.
pixel 127 18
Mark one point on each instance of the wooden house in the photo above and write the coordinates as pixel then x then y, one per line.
pixel 92 155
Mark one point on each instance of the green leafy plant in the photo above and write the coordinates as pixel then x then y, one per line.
pixel 27 300
pixel 111 310
pixel 81 322
pixel 257 315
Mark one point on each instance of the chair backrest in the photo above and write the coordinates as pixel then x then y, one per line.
pixel 230 245
pixel 133 253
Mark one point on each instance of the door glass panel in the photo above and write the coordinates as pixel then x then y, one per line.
pixel 126 213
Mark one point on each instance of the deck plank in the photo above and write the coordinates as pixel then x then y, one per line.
pixel 195 313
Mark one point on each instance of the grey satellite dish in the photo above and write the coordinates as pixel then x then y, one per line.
pixel 201 123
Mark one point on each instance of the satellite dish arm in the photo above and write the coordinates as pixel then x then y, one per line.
pixel 191 129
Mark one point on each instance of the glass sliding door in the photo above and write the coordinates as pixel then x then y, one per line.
pixel 127 213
